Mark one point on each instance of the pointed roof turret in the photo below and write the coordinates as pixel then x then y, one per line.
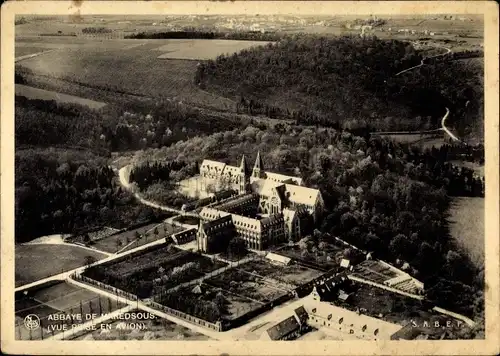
pixel 243 165
pixel 258 162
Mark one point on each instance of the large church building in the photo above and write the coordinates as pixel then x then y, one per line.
pixel 270 207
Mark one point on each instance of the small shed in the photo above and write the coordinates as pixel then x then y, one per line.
pixel 278 259
pixel 345 263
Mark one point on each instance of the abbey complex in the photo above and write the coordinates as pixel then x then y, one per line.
pixel 268 208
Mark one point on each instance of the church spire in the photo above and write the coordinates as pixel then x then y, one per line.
pixel 258 167
pixel 244 166
pixel 258 162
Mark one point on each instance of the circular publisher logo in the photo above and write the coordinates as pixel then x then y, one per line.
pixel 32 322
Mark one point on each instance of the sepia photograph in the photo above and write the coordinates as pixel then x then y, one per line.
pixel 254 177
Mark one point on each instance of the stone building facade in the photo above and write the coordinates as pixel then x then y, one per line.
pixel 270 208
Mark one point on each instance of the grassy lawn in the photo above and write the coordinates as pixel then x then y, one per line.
pixel 467 226
pixel 153 329
pixel 34 262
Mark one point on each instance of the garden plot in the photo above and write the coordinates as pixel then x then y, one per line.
pixel 249 285
pixel 154 271
pixel 209 302
pixel 374 271
pixel 293 274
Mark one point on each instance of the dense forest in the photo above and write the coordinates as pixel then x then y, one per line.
pixel 70 191
pixel 133 126
pixel 347 80
pixel 381 196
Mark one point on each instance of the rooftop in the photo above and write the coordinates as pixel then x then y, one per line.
pixel 283 328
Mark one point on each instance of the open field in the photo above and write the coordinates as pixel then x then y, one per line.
pixel 31 260
pixel 135 71
pixel 55 298
pixel 467 226
pixel 153 329
pixel 27 50
pixel 41 94
pixel 203 49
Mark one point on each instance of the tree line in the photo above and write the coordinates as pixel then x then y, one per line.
pixel 193 33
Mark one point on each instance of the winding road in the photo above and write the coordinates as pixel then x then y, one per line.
pixel 422 63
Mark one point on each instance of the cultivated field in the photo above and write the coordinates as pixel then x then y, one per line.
pixel 31 260
pixel 55 298
pixel 203 49
pixel 154 329
pixel 467 226
pixel 41 94
pixel 135 71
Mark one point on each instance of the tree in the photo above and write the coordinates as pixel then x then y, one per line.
pixel 236 247
pixel 220 301
pixel 89 260
pixel 86 239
